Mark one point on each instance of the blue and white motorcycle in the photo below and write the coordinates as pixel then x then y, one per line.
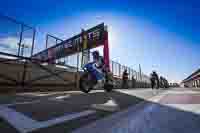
pixel 91 76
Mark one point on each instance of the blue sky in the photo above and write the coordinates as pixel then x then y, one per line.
pixel 159 35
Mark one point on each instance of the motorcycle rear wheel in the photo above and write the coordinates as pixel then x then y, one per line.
pixel 108 87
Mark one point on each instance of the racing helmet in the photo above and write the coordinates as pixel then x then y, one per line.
pixel 95 54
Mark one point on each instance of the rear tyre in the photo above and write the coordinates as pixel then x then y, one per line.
pixel 108 87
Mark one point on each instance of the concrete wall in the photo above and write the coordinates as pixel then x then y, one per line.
pixel 192 83
pixel 14 71
pixel 193 80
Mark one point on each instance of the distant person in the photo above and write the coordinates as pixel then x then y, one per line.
pixel 133 82
pixel 161 82
pixel 125 79
pixel 154 80
pixel 157 81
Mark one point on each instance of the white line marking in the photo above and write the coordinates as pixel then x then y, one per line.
pixel 37 94
pixel 63 119
pixel 20 103
pixel 36 101
pixel 194 108
pixel 18 120
pixel 49 93
pixel 160 96
pixel 25 124
pixel 59 98
pixel 182 92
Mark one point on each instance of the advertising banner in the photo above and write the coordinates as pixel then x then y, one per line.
pixel 91 38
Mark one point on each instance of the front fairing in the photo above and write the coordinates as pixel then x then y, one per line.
pixel 92 69
pixel 89 67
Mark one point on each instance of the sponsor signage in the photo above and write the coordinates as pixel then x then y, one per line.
pixel 94 36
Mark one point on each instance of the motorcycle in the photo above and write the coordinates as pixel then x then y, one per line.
pixel 90 77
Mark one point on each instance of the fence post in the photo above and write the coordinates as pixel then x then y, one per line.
pixel 33 42
pixel 136 75
pixel 129 71
pixel 112 67
pixel 20 39
pixel 119 70
pixel 24 75
pixel 47 40
pixel 77 71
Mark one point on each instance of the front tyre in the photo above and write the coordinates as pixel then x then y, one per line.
pixel 85 83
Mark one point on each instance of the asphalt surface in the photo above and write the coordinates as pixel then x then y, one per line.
pixel 69 107
pixel 122 111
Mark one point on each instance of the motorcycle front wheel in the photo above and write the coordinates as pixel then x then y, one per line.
pixel 86 83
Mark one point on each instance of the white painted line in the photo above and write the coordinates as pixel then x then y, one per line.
pixel 161 95
pixel 25 124
pixel 182 92
pixel 18 120
pixel 36 94
pixel 59 98
pixel 63 119
pixel 50 93
pixel 20 103
pixel 194 108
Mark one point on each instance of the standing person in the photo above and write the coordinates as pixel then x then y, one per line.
pixel 125 79
pixel 157 80
pixel 152 78
pixel 162 84
pixel 133 82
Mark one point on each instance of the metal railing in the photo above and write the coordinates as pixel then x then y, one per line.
pixel 18 69
pixel 16 37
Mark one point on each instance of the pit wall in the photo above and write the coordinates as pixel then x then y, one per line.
pixel 26 76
